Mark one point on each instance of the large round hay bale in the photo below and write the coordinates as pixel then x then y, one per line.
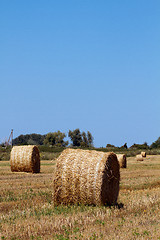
pixel 143 154
pixel 86 177
pixel 139 157
pixel 122 160
pixel 25 159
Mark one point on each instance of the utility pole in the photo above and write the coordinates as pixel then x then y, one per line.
pixel 10 139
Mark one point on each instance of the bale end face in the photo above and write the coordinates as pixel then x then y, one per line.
pixel 143 154
pixel 35 163
pixel 110 180
pixel 122 160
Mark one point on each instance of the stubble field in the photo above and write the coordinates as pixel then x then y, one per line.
pixel 27 210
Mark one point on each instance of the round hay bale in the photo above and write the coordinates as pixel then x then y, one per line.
pixel 143 154
pixel 122 160
pixel 86 177
pixel 139 157
pixel 25 159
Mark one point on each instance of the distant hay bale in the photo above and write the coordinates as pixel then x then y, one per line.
pixel 122 160
pixel 86 177
pixel 25 159
pixel 143 154
pixel 139 157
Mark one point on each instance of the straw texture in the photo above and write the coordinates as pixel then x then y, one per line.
pixel 122 160
pixel 87 177
pixel 139 157
pixel 143 154
pixel 25 159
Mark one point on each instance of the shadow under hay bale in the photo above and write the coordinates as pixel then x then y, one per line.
pixel 86 177
pixel 25 159
pixel 139 157
pixel 122 160
pixel 143 154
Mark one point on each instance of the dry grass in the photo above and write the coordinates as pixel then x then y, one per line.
pixel 27 210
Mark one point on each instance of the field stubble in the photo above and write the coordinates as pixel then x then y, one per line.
pixel 27 210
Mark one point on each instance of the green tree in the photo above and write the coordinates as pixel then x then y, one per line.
pixel 55 139
pixel 29 139
pixel 110 146
pixel 80 139
pixel 84 142
pixel 139 146
pixel 124 146
pixel 156 144
pixel 75 137
pixel 90 139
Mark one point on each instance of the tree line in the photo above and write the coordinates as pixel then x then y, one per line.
pixel 77 139
pixel 144 146
pixel 57 139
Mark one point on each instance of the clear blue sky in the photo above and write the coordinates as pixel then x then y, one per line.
pixel 93 65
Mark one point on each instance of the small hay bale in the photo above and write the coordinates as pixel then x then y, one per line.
pixel 25 159
pixel 86 177
pixel 143 154
pixel 122 160
pixel 139 157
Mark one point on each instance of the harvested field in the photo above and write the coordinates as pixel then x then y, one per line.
pixel 27 209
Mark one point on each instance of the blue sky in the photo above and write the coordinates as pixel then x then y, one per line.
pixel 93 65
